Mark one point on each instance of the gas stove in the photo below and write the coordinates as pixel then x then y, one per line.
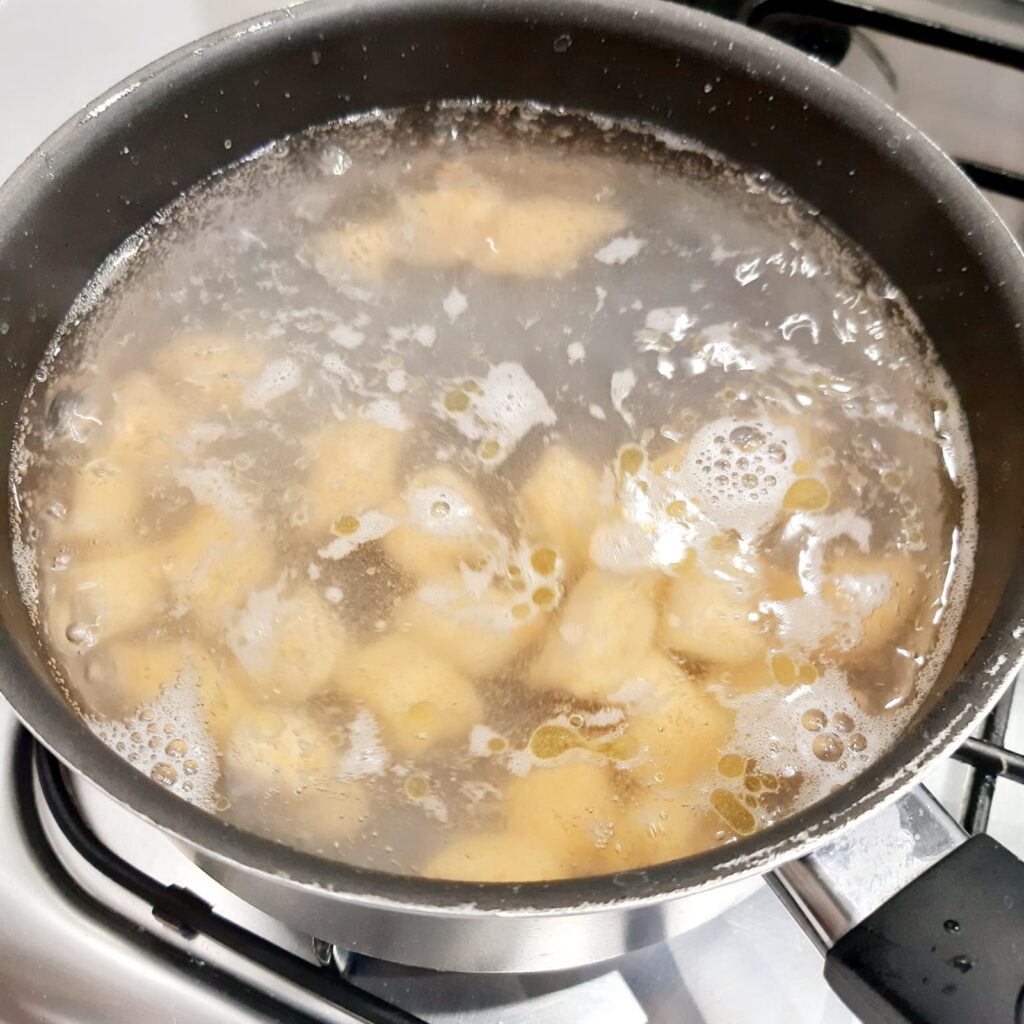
pixel 103 919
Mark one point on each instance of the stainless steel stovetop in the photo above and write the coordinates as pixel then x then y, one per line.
pixel 75 947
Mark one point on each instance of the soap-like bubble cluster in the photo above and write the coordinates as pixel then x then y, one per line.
pixel 167 740
pixel 740 471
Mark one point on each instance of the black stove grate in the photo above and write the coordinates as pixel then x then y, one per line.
pixel 175 907
pixel 822 29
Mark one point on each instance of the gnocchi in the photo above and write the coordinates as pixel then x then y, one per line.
pixel 420 699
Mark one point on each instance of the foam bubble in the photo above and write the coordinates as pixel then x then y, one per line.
pixel 213 483
pixel 505 407
pixel 371 526
pixel 195 772
pixel 366 754
pixel 620 250
pixel 739 471
pixel 770 728
pixel 277 378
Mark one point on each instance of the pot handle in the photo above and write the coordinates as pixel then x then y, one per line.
pixel 919 923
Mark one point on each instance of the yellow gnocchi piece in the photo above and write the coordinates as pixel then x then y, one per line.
pixel 419 698
pixel 269 748
pixel 546 236
pixel 654 829
pixel 141 669
pixel 110 595
pixel 680 736
pixel 880 595
pixel 289 647
pixel 562 503
pixel 568 807
pixel 606 628
pixel 214 562
pixel 104 502
pixel 145 425
pixel 319 816
pixel 365 250
pixel 497 857
pixel 449 225
pixel 467 220
pixel 442 522
pixel 708 618
pixel 216 367
pixel 224 697
pixel 355 468
pixel 478 635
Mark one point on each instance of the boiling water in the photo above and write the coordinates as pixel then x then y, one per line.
pixel 494 494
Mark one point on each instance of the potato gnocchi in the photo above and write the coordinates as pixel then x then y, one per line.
pixel 495 495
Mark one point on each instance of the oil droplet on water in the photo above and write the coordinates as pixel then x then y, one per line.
pixel 416 787
pixel 732 812
pixel 549 741
pixel 456 401
pixel 543 560
pixel 808 495
pixel 346 526
pixel 490 449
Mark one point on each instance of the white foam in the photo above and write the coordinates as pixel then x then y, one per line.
pixel 620 250
pixel 718 346
pixel 178 705
pixel 372 526
pixel 508 406
pixel 739 490
pixel 346 335
pixel 667 323
pixel 623 382
pixel 387 413
pixel 576 353
pixel 276 379
pixel 366 754
pixel 423 334
pixel 212 483
pixel 454 304
pixel 769 728
pixel 480 737
pixel 250 633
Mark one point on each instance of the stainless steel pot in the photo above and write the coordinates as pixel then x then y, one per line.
pixel 870 172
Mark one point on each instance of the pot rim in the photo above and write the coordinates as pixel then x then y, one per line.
pixel 987 673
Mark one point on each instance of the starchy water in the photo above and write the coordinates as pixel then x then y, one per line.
pixel 494 493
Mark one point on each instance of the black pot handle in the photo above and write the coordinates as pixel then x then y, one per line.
pixel 919 924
